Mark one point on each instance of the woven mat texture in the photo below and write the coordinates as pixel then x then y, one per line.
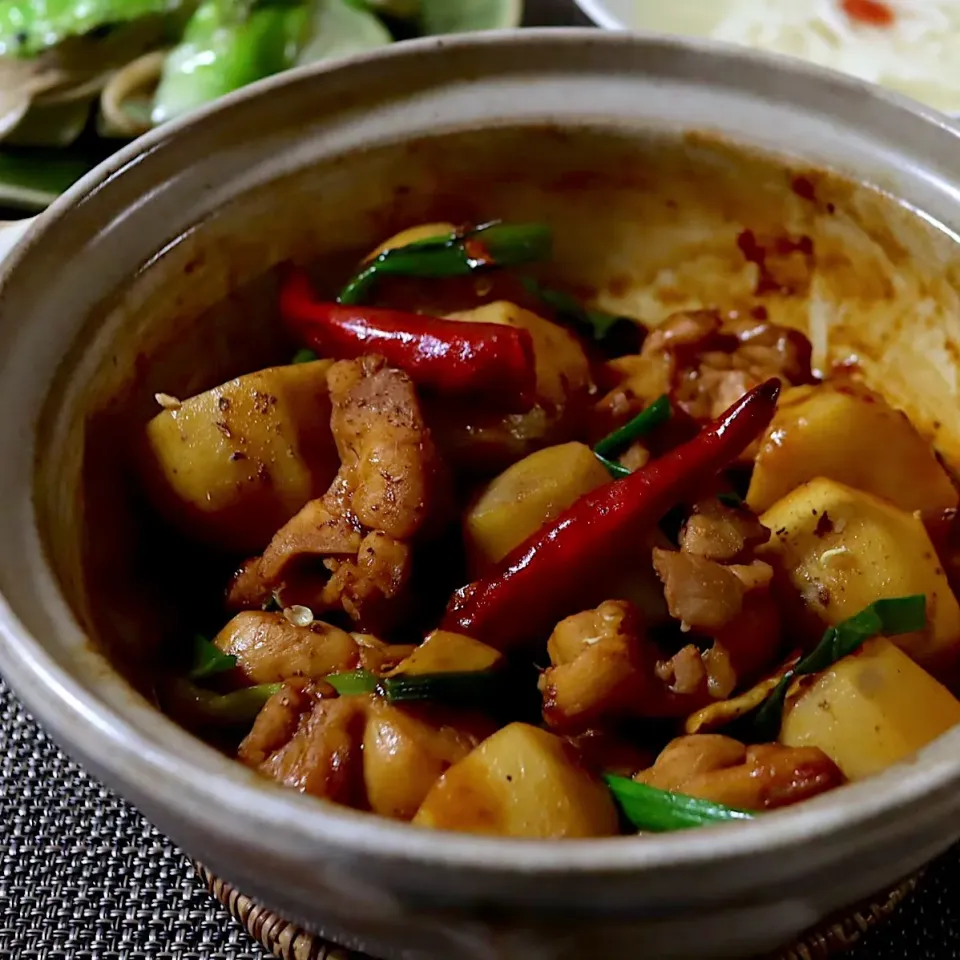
pixel 83 876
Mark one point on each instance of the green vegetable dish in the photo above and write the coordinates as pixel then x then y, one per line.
pixel 487 558
pixel 78 77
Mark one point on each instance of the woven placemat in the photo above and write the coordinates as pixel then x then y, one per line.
pixel 84 877
pixel 287 941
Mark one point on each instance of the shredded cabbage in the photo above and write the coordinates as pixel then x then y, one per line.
pixel 918 55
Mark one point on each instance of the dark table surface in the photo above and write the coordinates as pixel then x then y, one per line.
pixel 84 876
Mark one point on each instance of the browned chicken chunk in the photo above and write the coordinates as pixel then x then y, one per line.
pixel 247 590
pixel 763 777
pixel 358 750
pixel 387 454
pixel 270 648
pixel 706 363
pixel 368 586
pixel 323 528
pixel 350 549
pixel 310 742
pixel 702 594
pixel 715 588
pixel 604 668
pixel 715 531
pixel 604 751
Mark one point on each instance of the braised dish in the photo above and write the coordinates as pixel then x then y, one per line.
pixel 488 554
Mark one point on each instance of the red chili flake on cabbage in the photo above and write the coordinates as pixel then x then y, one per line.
pixel 871 12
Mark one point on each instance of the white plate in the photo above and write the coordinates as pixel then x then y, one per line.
pixel 918 60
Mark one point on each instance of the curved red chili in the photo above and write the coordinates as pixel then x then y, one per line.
pixel 449 356
pixel 562 568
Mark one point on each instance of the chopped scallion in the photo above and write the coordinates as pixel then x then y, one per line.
pixel 475 687
pixel 596 324
pixel 204 707
pixel 617 470
pixel 660 811
pixel 888 618
pixel 208 659
pixel 353 683
pixel 457 254
pixel 659 412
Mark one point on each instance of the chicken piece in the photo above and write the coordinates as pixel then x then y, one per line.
pixel 763 777
pixel 311 742
pixel 744 354
pixel 684 332
pixel 277 721
pixel 386 451
pixel 247 589
pixel 706 363
pixel 367 586
pixel 702 594
pixel 732 604
pixel 715 531
pixel 271 649
pixel 604 668
pixel 597 666
pixel 685 672
pixel 348 549
pixel 323 528
pixel 485 439
pixel 388 470
pixel 359 750
pixel 379 657
pixel 406 750
pixel 605 751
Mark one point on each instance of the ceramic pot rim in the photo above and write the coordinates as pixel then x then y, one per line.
pixel 233 796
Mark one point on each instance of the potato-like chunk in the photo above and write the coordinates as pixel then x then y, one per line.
pixel 869 710
pixel 406 750
pixel 446 652
pixel 847 432
pixel 521 782
pixel 526 496
pixel 492 440
pixel 562 367
pixel 232 465
pixel 837 550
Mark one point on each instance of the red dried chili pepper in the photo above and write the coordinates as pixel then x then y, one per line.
pixel 873 12
pixel 449 356
pixel 562 568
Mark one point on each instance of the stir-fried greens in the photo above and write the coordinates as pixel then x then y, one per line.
pixel 495 574
pixel 84 74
